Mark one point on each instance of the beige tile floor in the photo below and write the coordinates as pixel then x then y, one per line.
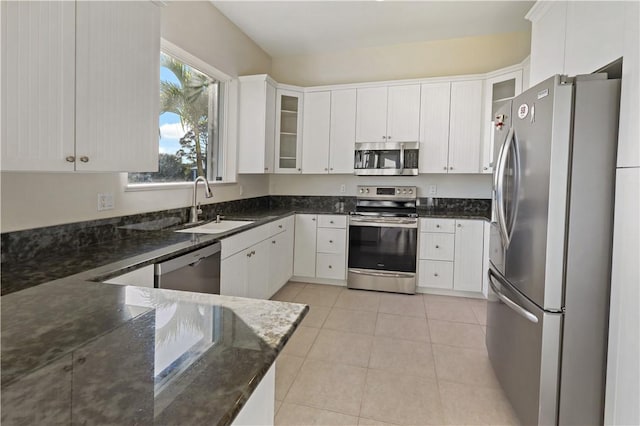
pixel 368 358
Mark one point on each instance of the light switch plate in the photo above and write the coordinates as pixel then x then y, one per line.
pixel 433 190
pixel 343 188
pixel 105 201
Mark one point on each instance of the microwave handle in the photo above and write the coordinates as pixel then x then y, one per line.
pixel 401 156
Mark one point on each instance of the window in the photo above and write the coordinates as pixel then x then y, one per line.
pixel 191 114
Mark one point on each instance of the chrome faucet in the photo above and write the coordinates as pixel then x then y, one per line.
pixel 195 207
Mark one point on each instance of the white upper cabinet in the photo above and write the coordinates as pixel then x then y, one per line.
pixel 38 117
pixel 496 89
pixel 593 35
pixel 548 27
pixel 343 131
pixel 315 139
pixel 256 122
pixel 117 85
pixel 371 114
pixel 96 106
pixel 329 132
pixel 403 113
pixel 465 126
pixel 288 144
pixel 388 114
pixel 434 128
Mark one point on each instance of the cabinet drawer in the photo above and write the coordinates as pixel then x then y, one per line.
pixel 437 225
pixel 435 246
pixel 331 241
pixel 243 240
pixel 435 273
pixel 282 225
pixel 332 221
pixel 330 266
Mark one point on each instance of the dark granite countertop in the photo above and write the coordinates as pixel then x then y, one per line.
pixel 78 352
pixel 146 244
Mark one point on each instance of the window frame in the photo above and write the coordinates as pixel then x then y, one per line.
pixel 229 175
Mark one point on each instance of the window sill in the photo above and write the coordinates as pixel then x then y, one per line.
pixel 136 187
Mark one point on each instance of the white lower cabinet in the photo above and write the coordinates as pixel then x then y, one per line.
pixel 436 274
pixel 467 267
pixel 320 247
pixel 280 260
pixel 451 254
pixel 142 277
pixel 254 266
pixel 304 259
pixel 260 408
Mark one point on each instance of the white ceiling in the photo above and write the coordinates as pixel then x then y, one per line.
pixel 284 28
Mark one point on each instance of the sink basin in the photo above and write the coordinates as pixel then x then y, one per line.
pixel 217 228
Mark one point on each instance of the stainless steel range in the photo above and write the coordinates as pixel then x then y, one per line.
pixel 383 234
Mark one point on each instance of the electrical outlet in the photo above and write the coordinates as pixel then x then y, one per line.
pixel 343 188
pixel 433 190
pixel 105 201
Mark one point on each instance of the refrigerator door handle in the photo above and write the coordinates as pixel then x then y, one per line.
pixel 510 303
pixel 502 160
pixel 516 184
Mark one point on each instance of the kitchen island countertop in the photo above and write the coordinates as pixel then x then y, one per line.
pixel 83 352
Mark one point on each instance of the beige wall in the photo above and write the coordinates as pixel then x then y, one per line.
pixel 458 56
pixel 32 200
pixel 199 28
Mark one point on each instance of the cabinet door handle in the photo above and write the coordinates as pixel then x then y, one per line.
pixel 280 226
pixel 451 168
pixel 299 170
pixel 331 168
pixel 459 226
pixel 331 241
pixel 253 252
pixel 445 167
pixel 325 169
pixel 331 222
pixel 388 137
pixel 273 242
pixel 84 159
pixel 437 246
pixel 249 254
pixel 330 267
pixel 437 226
pixel 313 219
pixel 435 274
pixel 384 137
pixel 71 159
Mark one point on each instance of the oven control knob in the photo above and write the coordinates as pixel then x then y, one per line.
pixel 411 191
pixel 397 191
pixel 367 191
pixel 404 191
pixel 361 190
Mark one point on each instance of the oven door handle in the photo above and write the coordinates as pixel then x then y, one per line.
pixel 389 223
pixel 383 274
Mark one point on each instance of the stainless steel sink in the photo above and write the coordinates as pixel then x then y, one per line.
pixel 217 227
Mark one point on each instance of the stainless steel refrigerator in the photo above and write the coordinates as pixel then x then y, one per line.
pixel 550 248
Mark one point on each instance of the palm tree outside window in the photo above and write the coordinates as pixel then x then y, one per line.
pixel 189 120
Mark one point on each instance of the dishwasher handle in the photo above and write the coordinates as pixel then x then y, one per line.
pixel 188 259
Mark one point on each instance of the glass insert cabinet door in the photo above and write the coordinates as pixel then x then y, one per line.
pixel 288 158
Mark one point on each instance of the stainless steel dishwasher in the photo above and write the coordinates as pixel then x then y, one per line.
pixel 197 271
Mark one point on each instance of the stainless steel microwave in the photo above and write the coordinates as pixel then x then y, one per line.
pixel 386 158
